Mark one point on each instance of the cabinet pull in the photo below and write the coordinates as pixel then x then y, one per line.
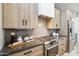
pixel 27 52
pixel 62 50
pixel 56 25
pixel 23 22
pixel 62 44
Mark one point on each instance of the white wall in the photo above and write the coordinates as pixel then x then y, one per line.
pixel 76 27
pixel 1 34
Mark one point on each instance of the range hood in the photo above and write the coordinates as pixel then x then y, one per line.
pixel 46 10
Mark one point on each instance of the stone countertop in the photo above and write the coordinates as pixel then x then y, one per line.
pixel 48 38
pixel 7 51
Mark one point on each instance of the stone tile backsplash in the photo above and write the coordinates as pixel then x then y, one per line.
pixel 19 32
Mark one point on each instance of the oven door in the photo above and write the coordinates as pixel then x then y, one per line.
pixel 52 50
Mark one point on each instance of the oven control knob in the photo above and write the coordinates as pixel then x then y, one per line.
pixel 47 44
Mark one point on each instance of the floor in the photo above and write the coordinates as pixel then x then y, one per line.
pixel 74 52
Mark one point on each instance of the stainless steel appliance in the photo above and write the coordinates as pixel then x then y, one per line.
pixel 72 38
pixel 52 50
pixel 51 46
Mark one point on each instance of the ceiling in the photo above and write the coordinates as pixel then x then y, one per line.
pixel 74 7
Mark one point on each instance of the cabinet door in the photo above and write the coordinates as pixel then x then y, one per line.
pixel 34 15
pixel 20 15
pixel 10 15
pixel 51 24
pixel 62 46
pixel 20 12
pixel 54 23
pixel 31 12
pixel 27 15
pixel 57 17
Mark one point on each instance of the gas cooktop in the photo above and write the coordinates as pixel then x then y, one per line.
pixel 48 41
pixel 45 39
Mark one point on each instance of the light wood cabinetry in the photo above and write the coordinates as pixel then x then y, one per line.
pixel 62 46
pixel 33 15
pixel 57 17
pixel 36 51
pixel 55 22
pixel 20 16
pixel 51 24
pixel 10 16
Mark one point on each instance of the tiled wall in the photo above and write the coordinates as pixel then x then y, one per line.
pixel 41 29
pixel 19 32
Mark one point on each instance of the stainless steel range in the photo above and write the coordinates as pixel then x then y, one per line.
pixel 51 46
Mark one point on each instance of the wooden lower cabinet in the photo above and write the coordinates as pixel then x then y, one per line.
pixel 35 51
pixel 62 46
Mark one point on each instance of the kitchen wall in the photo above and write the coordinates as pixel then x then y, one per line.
pixel 19 32
pixel 50 31
pixel 1 31
pixel 40 30
pixel 76 28
pixel 77 14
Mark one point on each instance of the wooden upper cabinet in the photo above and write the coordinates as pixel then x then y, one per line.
pixel 55 22
pixel 23 15
pixel 51 24
pixel 33 15
pixel 57 17
pixel 20 15
pixel 9 16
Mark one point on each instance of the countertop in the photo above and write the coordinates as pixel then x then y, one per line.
pixel 7 51
pixel 36 42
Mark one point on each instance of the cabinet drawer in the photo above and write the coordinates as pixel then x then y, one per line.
pixel 36 51
pixel 61 50
pixel 22 53
pixel 62 40
pixel 62 46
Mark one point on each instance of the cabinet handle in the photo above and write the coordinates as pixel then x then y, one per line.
pixel 56 25
pixel 23 22
pixel 62 44
pixel 27 52
pixel 62 50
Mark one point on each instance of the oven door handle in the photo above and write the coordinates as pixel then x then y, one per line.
pixel 48 48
